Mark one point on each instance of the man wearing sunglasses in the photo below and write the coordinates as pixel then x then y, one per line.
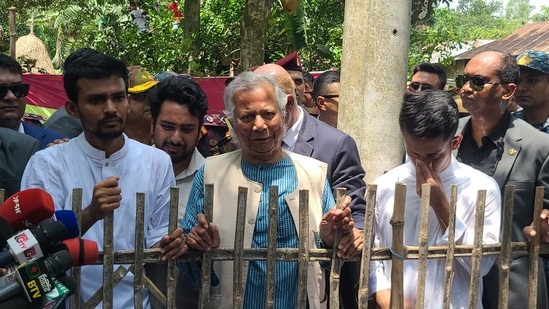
pixel 427 76
pixel 12 102
pixel 326 96
pixel 511 151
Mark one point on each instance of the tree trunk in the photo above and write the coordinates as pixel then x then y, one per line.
pixel 373 80
pixel 254 26
pixel 191 17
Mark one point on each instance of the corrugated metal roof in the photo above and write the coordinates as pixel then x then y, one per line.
pixel 531 36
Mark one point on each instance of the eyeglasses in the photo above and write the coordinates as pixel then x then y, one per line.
pixel 19 90
pixel 329 96
pixel 476 82
pixel 417 86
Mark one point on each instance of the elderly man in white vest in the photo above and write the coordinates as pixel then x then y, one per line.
pixel 255 105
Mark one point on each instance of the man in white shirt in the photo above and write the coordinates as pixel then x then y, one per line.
pixel 110 168
pixel 428 121
pixel 178 106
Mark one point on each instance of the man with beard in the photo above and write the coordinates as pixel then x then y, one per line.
pixel 178 106
pixel 110 168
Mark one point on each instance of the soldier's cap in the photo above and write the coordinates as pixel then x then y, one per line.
pixel 139 80
pixel 535 60
pixel 291 62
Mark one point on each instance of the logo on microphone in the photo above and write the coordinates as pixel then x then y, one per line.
pixel 17 207
pixel 30 253
pixel 21 239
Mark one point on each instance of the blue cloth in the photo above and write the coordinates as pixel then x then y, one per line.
pixel 282 174
pixel 42 135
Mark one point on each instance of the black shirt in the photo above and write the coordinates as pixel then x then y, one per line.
pixel 486 157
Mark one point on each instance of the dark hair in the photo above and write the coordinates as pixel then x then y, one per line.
pixel 10 64
pixel 308 77
pixel 433 68
pixel 92 65
pixel 323 81
pixel 180 89
pixel 76 55
pixel 509 71
pixel 429 114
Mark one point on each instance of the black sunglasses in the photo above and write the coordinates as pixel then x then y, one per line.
pixel 477 83
pixel 19 90
pixel 419 86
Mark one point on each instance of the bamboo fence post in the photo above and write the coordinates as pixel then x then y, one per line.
pixel 423 239
pixel 207 255
pixel 367 247
pixel 13 31
pixel 238 266
pixel 75 273
pixel 449 267
pixel 170 269
pixel 506 245
pixel 139 239
pixel 304 249
pixel 336 260
pixel 476 256
pixel 271 249
pixel 534 250
pixel 398 250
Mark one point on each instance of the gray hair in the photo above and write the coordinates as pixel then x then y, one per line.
pixel 248 81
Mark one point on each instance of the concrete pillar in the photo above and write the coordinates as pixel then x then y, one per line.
pixel 373 80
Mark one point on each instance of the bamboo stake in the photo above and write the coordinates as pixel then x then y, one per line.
pixel 367 248
pixel 303 254
pixel 336 260
pixel 238 266
pixel 207 255
pixel 271 249
pixel 449 267
pixel 506 245
pixel 139 244
pixel 398 250
pixel 534 251
pixel 476 257
pixel 423 238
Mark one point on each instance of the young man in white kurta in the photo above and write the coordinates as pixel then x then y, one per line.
pixel 429 121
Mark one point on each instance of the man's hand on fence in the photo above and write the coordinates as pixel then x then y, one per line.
pixel 334 220
pixel 544 226
pixel 350 244
pixel 173 245
pixel 204 236
pixel 106 198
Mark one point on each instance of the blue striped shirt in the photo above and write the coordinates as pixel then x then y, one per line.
pixel 284 175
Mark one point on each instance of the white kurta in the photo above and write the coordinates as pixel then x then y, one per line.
pixel 184 181
pixel 469 181
pixel 142 168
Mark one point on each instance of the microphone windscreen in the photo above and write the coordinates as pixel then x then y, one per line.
pixel 6 231
pixel 68 217
pixel 27 206
pixel 83 251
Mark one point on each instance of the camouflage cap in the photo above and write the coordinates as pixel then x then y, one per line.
pixel 140 80
pixel 535 60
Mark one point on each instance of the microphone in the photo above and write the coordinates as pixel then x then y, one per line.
pixel 64 287
pixel 6 231
pixel 83 251
pixel 27 206
pixel 34 278
pixel 30 244
pixel 68 217
pixel 20 302
pixel 499 145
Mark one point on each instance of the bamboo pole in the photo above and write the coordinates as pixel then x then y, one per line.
pixel 76 273
pixel 13 31
pixel 398 252
pixel 139 244
pixel 336 260
pixel 170 269
pixel 304 249
pixel 449 266
pixel 271 249
pixel 534 251
pixel 476 257
pixel 207 255
pixel 367 248
pixel 506 245
pixel 238 266
pixel 423 239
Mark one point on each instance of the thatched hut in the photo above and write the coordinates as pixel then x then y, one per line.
pixel 31 47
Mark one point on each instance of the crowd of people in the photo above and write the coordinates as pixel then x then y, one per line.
pixel 123 130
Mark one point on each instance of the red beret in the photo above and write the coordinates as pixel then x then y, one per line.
pixel 291 62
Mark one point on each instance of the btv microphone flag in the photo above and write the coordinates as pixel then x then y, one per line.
pixel 27 206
